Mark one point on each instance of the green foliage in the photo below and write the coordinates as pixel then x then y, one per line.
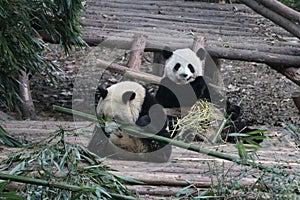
pixel 7 139
pixel 11 195
pixel 70 172
pixel 21 23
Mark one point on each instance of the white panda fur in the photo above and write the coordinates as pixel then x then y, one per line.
pixel 127 112
pixel 183 83
pixel 130 103
pixel 183 75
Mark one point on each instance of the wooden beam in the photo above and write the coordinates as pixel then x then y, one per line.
pixel 234 51
pixel 127 72
pixel 282 10
pixel 288 25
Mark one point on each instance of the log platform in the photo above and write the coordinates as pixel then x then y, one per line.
pixel 185 168
pixel 232 31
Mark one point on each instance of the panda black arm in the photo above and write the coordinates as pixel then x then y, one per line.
pixel 233 109
pixel 143 121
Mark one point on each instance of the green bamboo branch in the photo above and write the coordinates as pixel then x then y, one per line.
pixel 181 144
pixel 54 184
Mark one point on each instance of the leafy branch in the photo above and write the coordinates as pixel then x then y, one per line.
pixel 23 24
pixel 60 170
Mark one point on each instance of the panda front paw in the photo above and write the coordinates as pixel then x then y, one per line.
pixel 234 110
pixel 143 121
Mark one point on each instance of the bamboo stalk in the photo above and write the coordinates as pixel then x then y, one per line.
pixel 181 144
pixel 34 181
pixel 225 121
pixel 59 185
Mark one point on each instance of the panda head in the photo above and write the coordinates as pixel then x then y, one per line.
pixel 122 101
pixel 183 65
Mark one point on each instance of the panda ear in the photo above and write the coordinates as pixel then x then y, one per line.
pixel 167 53
pixel 201 53
pixel 128 96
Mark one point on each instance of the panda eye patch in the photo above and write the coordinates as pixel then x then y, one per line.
pixel 191 67
pixel 177 66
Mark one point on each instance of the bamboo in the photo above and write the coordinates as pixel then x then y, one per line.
pixel 34 181
pixel 59 185
pixel 8 139
pixel 181 144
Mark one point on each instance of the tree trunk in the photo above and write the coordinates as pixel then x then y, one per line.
pixel 28 110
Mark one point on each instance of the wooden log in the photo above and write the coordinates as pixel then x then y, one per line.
pixel 137 52
pixel 273 16
pixel 282 9
pixel 253 56
pixel 151 190
pixel 291 73
pixel 256 53
pixel 170 37
pixel 273 60
pixel 127 72
pixel 173 179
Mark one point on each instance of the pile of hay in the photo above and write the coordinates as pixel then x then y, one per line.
pixel 202 120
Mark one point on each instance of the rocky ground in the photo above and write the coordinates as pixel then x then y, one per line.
pixel 265 94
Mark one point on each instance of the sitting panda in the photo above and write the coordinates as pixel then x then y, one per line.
pixel 183 83
pixel 129 103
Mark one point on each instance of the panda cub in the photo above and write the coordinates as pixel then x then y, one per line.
pixel 183 83
pixel 129 103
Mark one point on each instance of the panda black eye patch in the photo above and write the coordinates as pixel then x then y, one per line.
pixel 191 67
pixel 177 66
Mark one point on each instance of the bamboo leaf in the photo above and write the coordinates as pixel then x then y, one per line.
pixel 18 168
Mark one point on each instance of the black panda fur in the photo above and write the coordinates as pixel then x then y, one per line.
pixel 192 87
pixel 130 103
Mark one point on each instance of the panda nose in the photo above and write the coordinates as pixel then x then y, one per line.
pixel 183 75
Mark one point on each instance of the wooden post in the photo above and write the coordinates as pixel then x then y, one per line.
pixel 137 52
pixel 28 109
pixel 198 42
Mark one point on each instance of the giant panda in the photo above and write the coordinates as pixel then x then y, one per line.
pixel 129 103
pixel 183 83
